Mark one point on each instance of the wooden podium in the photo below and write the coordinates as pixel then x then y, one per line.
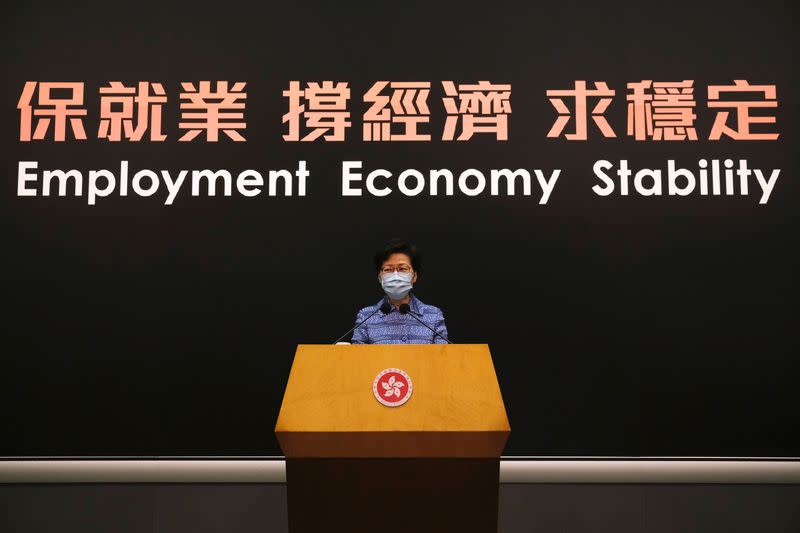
pixel 355 464
pixel 455 408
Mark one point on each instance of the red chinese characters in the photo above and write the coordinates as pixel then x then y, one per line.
pixel 398 111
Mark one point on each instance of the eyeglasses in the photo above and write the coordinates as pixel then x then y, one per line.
pixel 403 269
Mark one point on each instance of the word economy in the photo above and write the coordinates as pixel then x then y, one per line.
pixel 712 177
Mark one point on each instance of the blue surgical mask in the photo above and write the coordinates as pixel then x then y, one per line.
pixel 396 285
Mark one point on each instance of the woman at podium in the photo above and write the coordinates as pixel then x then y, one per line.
pixel 399 317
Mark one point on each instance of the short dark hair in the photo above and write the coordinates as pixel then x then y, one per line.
pixel 399 246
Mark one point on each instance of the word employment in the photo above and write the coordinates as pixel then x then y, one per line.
pixel 104 182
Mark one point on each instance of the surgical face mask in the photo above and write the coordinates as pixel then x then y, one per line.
pixel 396 285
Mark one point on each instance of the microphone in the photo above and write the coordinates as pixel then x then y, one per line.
pixel 405 309
pixel 385 307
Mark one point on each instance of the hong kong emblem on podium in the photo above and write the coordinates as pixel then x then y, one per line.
pixel 392 387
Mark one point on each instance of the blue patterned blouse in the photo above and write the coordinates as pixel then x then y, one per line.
pixel 396 328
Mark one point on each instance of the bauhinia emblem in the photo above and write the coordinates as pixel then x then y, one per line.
pixel 392 387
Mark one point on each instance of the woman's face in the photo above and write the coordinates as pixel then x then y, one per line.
pixel 397 262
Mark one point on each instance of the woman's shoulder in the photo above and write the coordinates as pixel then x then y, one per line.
pixel 370 308
pixel 427 309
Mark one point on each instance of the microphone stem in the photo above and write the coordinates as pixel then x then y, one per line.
pixel 357 324
pixel 412 313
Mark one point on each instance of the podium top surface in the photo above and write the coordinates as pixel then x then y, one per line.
pixel 330 389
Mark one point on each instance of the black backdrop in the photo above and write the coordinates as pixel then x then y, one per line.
pixel 618 325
